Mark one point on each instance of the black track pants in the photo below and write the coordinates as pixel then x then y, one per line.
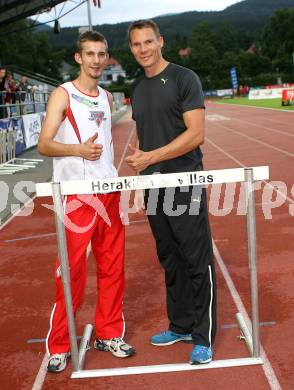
pixel 184 250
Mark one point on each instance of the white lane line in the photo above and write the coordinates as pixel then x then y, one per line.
pixel 231 157
pixel 18 211
pixel 255 140
pixel 33 341
pixel 41 374
pixel 31 237
pixel 244 166
pixel 267 367
pixel 277 121
pixel 264 127
pixel 126 147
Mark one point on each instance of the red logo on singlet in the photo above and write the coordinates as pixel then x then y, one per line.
pixel 97 116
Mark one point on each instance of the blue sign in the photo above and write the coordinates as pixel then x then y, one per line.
pixel 4 124
pixel 234 77
pixel 17 125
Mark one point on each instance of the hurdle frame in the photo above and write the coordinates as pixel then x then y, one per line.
pixel 248 175
pixel 9 163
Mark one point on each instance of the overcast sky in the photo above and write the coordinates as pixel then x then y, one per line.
pixel 115 11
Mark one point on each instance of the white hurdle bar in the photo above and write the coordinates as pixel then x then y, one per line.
pixel 198 178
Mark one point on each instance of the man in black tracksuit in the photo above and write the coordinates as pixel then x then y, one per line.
pixel 168 108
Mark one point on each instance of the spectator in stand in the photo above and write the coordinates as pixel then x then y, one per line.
pixel 11 89
pixel 24 88
pixel 2 90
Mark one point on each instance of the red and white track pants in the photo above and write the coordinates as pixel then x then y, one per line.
pixel 87 218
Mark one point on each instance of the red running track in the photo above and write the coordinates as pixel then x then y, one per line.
pixel 236 136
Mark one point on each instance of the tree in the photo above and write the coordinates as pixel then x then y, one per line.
pixel 22 47
pixel 171 50
pixel 226 39
pixel 203 56
pixel 253 64
pixel 278 37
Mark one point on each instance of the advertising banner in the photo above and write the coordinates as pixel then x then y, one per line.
pixel 210 93
pixel 219 93
pixel 32 128
pixel 265 93
pixel 224 92
pixel 287 97
pixel 17 125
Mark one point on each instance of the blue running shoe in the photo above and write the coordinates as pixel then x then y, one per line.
pixel 201 354
pixel 168 337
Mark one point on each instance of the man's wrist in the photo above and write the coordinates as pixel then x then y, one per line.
pixel 74 150
pixel 156 156
pixel 152 157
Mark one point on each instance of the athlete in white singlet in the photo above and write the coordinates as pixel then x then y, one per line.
pixel 77 133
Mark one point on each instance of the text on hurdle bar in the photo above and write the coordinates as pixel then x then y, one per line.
pixel 167 180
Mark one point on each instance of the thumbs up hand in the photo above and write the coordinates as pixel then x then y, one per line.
pixel 138 160
pixel 89 150
pixel 93 138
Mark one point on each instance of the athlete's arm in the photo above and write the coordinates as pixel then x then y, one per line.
pixel 192 137
pixel 56 109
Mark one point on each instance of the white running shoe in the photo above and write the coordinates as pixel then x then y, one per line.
pixel 57 362
pixel 117 346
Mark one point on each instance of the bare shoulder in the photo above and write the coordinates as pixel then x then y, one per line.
pixel 59 93
pixel 58 100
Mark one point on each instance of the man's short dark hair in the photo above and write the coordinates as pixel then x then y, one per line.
pixel 92 36
pixel 143 23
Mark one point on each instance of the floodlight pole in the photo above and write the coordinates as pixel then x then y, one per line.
pixel 89 15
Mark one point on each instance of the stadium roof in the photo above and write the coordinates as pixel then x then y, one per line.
pixel 11 10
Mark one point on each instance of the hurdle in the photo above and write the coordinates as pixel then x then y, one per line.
pixel 199 178
pixel 9 163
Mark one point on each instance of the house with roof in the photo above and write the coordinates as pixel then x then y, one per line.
pixel 112 72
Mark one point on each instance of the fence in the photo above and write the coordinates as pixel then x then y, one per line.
pixel 13 104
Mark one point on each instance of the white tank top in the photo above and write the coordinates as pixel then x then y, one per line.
pixel 85 116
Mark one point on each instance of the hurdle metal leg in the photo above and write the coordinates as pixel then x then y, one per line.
pixel 251 337
pixel 65 273
pixel 85 345
pixel 252 257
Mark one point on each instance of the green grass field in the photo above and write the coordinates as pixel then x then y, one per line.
pixel 266 103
